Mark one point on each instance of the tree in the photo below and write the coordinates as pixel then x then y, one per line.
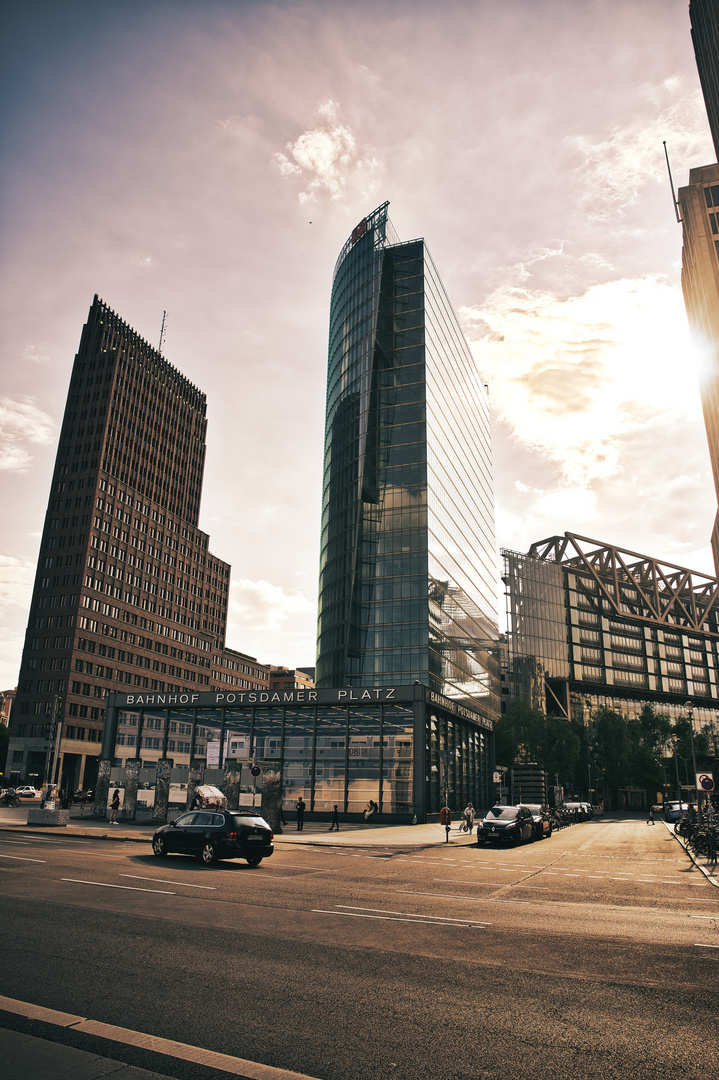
pixel 525 735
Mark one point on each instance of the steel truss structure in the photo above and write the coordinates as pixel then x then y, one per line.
pixel 636 585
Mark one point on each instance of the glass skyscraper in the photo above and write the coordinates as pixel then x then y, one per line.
pixel 407 589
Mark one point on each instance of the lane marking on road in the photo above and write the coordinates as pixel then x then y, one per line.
pixel 711 917
pixel 700 900
pixel 354 855
pixel 703 945
pixel 21 858
pixel 164 881
pixel 107 885
pixel 233 1066
pixel 17 843
pixel 425 920
pixel 461 896
pixel 491 884
pixel 53 839
pixel 317 869
pixel 412 914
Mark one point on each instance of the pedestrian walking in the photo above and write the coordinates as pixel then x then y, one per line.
pixel 650 820
pixel 335 819
pixel 300 814
pixel 468 817
pixel 114 807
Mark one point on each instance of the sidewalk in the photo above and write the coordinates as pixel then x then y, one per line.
pixel 314 832
pixel 710 870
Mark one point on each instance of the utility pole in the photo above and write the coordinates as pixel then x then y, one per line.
pixel 690 716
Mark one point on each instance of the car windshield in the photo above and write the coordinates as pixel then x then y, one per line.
pixel 250 819
pixel 505 813
pixel 534 807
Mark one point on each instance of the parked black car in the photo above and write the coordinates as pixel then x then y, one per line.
pixel 542 820
pixel 210 835
pixel 506 825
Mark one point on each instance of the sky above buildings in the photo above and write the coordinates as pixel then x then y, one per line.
pixel 210 157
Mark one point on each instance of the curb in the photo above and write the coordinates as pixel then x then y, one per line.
pixel 704 870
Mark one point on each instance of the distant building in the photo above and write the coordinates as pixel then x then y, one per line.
pixel 699 203
pixel 236 670
pixel 594 626
pixel 282 678
pixel 6 701
pixel 704 17
pixel 407 589
pixel 699 212
pixel 127 594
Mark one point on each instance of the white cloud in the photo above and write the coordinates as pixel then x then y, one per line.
pixel 31 356
pixel 22 423
pixel 266 606
pixel 270 623
pixel 328 158
pixel 16 580
pixel 574 377
pixel 613 169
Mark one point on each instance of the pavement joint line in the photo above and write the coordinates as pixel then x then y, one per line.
pixel 234 1066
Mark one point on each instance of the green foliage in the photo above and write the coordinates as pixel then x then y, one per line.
pixel 525 735
pixel 614 752
pixel 627 751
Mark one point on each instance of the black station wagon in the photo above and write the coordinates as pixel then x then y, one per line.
pixel 210 835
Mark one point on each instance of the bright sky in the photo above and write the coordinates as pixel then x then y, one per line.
pixel 210 158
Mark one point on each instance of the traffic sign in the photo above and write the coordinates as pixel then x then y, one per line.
pixel 705 781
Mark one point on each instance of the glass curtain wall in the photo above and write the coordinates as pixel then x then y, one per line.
pixel 460 511
pixel 408 563
pixel 331 754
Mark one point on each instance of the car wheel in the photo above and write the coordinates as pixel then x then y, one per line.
pixel 158 846
pixel 207 853
pixel 254 862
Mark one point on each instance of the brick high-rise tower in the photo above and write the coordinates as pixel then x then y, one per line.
pixel 126 592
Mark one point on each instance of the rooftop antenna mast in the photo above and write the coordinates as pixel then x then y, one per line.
pixel 162 332
pixel 671 181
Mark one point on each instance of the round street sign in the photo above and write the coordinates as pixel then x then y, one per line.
pixel 256 770
pixel 706 781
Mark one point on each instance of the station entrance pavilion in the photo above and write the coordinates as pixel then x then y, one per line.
pixel 407 748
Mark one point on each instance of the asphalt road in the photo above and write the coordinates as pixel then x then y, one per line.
pixel 592 954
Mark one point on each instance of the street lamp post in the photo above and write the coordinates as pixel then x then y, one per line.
pixel 679 783
pixel 690 716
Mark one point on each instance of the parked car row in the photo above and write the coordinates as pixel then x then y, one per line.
pixel 527 821
pixel 674 810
